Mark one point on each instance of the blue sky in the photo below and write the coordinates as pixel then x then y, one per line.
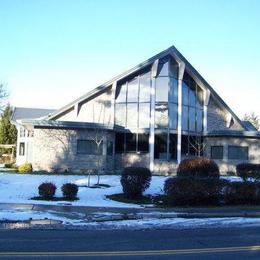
pixel 52 51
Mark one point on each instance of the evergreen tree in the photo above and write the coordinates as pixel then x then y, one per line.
pixel 8 131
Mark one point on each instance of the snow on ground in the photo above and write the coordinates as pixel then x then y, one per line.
pixel 20 188
pixel 175 223
pixel 147 223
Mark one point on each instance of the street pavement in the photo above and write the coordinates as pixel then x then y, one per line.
pixel 211 243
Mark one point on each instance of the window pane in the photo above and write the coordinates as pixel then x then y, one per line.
pixel 200 98
pixel 161 89
pixel 110 146
pixel 160 146
pixel 22 132
pixel 120 114
pixel 119 142
pixel 173 147
pixel 132 90
pixel 184 121
pixel 145 87
pixel 199 120
pixel 89 147
pixel 185 94
pixel 173 115
pixel 143 143
pixel 132 110
pixel 121 93
pixel 174 68
pixel 130 141
pixel 161 115
pixel 216 152
pixel 22 149
pixel 144 115
pixel 238 152
pixel 184 145
pixel 173 90
pixel 192 119
pixel 164 69
pixel 192 97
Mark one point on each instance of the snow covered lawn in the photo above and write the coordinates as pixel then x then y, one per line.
pixel 20 188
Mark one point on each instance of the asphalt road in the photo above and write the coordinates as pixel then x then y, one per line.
pixel 212 243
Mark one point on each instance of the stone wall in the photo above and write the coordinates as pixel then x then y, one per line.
pixel 227 165
pixel 56 149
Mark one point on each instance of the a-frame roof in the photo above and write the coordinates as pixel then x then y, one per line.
pixel 170 51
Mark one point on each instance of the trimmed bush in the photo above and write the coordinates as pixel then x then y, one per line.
pixel 25 167
pixel 69 190
pixel 47 190
pixel 239 193
pixel 135 180
pixel 198 167
pixel 194 191
pixel 248 170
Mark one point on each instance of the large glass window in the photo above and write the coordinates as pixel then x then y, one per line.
pixel 160 146
pixel 89 147
pixel 238 152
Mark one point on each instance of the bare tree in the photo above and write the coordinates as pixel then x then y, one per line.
pixel 99 134
pixel 197 143
pixel 253 119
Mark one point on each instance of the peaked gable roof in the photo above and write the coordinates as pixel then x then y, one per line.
pixel 170 51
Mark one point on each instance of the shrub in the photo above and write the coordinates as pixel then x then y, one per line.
pixel 198 167
pixel 9 165
pixel 25 167
pixel 193 191
pixel 248 170
pixel 238 193
pixel 135 180
pixel 47 190
pixel 69 190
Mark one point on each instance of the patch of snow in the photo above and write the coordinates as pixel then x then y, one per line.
pixel 20 188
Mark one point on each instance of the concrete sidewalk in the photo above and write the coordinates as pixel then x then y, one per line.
pixel 110 214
